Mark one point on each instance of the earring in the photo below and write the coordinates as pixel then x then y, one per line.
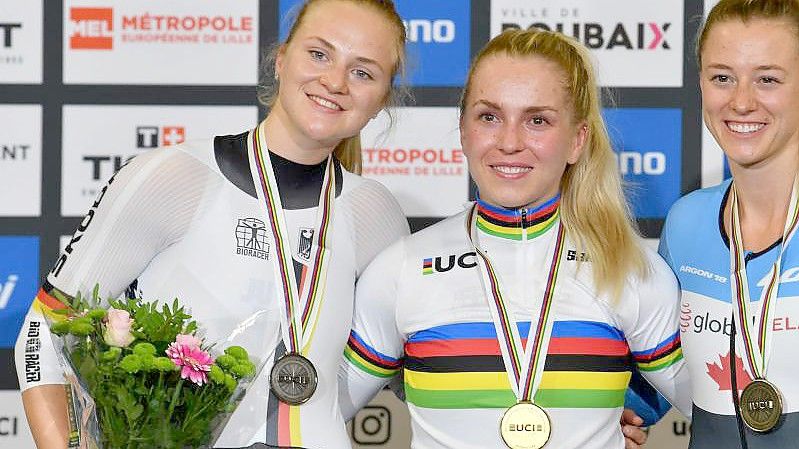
pixel 277 77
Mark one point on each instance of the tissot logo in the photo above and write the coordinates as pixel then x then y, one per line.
pixel 7 30
pixel 618 36
pixel 14 151
pixel 105 166
pixel 155 136
pixel 251 238
pixel 442 264
pixel 91 28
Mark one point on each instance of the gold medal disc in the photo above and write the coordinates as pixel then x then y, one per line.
pixel 761 406
pixel 525 426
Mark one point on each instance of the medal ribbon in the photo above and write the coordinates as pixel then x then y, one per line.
pixel 299 321
pixel 757 347
pixel 521 365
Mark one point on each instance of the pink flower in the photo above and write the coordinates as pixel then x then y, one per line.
pixel 188 340
pixel 196 363
pixel 117 328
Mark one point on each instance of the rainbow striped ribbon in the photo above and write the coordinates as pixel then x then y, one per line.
pixel 300 317
pixel 524 366
pixel 757 343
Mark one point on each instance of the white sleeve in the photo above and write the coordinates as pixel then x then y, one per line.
pixel 653 333
pixel 378 221
pixel 145 207
pixel 376 346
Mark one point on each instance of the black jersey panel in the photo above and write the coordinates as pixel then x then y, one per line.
pixel 712 431
pixel 231 157
pixel 299 184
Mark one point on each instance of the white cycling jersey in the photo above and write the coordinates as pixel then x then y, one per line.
pixel 421 308
pixel 185 222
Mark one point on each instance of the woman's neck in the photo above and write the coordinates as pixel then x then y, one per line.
pixel 285 140
pixel 764 195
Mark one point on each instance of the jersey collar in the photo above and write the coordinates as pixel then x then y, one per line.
pixel 513 224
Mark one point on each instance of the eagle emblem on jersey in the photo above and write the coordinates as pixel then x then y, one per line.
pixel 251 238
pixel 305 243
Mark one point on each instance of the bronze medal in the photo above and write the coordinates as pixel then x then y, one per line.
pixel 761 406
pixel 525 426
pixel 293 379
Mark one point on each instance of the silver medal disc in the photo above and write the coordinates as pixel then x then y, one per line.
pixel 293 379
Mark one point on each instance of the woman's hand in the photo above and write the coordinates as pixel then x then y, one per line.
pixel 634 435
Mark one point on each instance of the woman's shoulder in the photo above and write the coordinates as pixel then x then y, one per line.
pixel 700 201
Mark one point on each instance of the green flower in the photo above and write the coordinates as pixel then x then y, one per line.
pixel 60 327
pixel 238 352
pixel 81 327
pixel 230 382
pixel 226 361
pixel 147 362
pixel 112 355
pixel 96 314
pixel 131 363
pixel 164 364
pixel 144 349
pixel 216 375
pixel 243 369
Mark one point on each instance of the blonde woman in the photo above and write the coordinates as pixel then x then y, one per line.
pixel 191 222
pixel 516 322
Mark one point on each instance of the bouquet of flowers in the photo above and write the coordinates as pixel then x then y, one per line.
pixel 142 377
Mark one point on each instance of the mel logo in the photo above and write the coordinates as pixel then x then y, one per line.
pixel 7 289
pixel 91 28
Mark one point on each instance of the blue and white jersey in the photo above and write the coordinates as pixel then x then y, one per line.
pixel 696 246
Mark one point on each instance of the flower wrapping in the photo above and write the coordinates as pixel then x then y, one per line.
pixel 142 376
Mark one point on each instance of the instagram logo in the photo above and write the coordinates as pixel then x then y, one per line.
pixel 372 426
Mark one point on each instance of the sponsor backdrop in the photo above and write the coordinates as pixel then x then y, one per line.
pixel 88 84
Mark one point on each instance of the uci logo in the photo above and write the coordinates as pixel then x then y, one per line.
pixel 440 264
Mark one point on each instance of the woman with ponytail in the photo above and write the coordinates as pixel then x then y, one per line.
pixel 517 323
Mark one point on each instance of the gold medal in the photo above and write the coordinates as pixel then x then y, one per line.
pixel 525 426
pixel 761 406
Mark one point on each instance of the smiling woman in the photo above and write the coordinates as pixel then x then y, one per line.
pixel 743 229
pixel 252 225
pixel 553 297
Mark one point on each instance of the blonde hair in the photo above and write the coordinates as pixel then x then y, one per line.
pixel 746 10
pixel 593 209
pixel 348 151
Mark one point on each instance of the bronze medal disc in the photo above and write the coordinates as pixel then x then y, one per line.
pixel 525 426
pixel 293 379
pixel 761 406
